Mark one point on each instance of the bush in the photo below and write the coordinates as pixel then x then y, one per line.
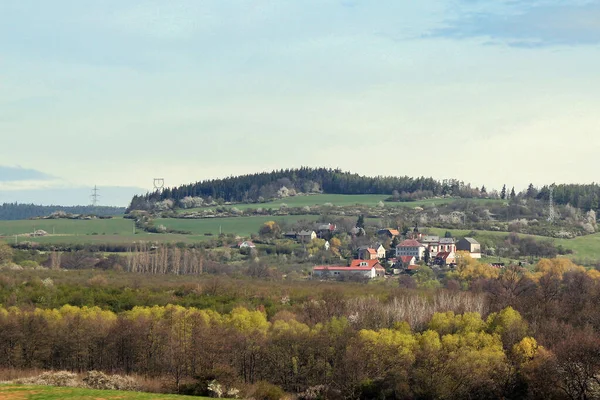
pixel 54 378
pixel 99 380
pixel 267 391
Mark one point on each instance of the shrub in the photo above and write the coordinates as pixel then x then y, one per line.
pixel 267 391
pixel 54 378
pixel 102 381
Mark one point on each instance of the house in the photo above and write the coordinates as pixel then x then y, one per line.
pixel 391 233
pixel 407 261
pixel 445 258
pixel 471 245
pixel 246 245
pixel 435 244
pixel 290 235
pixel 447 245
pixel 410 247
pixel 327 246
pixel 325 231
pixel 367 268
pixel 367 253
pixel 411 269
pixel 381 252
pixel 306 236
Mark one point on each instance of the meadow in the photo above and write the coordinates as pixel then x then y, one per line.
pixel 343 200
pixel 18 392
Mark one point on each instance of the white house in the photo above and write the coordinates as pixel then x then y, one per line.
pixel 367 268
pixel 410 247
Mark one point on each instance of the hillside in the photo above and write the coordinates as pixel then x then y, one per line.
pixel 266 186
pixel 15 211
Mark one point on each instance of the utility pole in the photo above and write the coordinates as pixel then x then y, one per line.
pixel 551 212
pixel 95 196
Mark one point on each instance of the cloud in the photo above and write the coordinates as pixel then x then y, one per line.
pixel 17 174
pixel 527 25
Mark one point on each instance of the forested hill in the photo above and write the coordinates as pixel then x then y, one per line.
pixel 264 186
pixel 13 211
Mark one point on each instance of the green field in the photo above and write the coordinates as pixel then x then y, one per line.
pixel 118 226
pixel 17 392
pixel 343 200
pixel 243 226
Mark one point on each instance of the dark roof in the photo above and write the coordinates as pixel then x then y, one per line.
pixel 471 240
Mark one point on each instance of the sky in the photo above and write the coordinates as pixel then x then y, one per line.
pixel 116 93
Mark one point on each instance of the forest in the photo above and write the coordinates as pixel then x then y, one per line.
pixel 260 187
pixel 476 332
pixel 16 211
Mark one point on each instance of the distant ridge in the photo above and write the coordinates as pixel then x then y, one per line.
pixel 264 186
pixel 15 211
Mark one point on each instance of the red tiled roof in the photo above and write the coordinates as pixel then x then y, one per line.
pixel 409 243
pixel 370 264
pixel 406 259
pixel 372 251
pixel 412 267
pixel 395 232
pixel 340 268
pixel 443 255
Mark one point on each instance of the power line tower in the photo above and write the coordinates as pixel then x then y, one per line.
pixel 95 196
pixel 159 184
pixel 551 212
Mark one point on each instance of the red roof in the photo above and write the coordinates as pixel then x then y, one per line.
pixel 369 264
pixel 372 251
pixel 410 243
pixel 340 268
pixel 443 255
pixel 394 232
pixel 412 267
pixel 407 259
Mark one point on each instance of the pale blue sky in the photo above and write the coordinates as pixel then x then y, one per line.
pixel 117 92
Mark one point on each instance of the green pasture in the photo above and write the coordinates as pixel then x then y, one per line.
pixel 243 226
pixel 344 200
pixel 114 226
pixel 56 393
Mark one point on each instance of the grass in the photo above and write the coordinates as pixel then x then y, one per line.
pixel 243 226
pixel 118 226
pixel 371 200
pixel 17 392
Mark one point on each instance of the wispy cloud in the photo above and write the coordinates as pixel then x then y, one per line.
pixel 17 174
pixel 526 24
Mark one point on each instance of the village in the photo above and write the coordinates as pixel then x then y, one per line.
pixel 391 252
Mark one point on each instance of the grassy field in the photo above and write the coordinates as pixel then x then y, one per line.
pixel 243 226
pixel 585 248
pixel 17 392
pixel 371 200
pixel 114 226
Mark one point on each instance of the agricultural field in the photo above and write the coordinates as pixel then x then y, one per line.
pixel 243 226
pixel 70 227
pixel 18 392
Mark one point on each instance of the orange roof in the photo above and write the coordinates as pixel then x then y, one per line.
pixel 365 264
pixel 372 251
pixel 394 232
pixel 406 259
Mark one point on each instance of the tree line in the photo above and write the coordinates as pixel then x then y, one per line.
pixel 265 186
pixel 16 211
